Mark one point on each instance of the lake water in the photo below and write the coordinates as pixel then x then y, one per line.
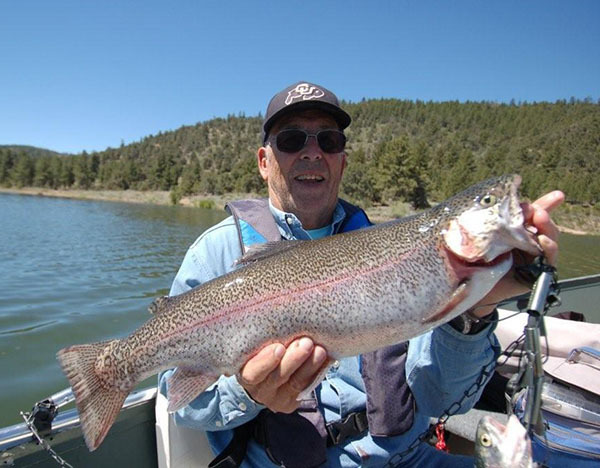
pixel 76 272
pixel 82 271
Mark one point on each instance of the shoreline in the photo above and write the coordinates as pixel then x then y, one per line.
pixel 376 214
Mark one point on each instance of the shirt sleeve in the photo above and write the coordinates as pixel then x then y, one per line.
pixel 443 364
pixel 225 404
pixel 213 254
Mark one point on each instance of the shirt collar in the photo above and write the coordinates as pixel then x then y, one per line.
pixel 291 227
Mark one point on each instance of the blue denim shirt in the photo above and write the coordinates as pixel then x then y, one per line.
pixel 440 366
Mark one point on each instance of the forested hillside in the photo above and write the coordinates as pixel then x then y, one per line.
pixel 31 150
pixel 398 150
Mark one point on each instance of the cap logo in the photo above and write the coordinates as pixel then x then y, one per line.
pixel 305 92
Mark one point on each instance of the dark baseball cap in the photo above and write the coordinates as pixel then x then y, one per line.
pixel 301 96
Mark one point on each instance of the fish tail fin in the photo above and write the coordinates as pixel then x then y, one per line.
pixel 98 403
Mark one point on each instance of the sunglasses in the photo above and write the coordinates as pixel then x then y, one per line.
pixel 294 139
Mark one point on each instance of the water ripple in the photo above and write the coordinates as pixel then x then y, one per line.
pixel 25 330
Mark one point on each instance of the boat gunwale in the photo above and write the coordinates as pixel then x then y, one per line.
pixel 18 434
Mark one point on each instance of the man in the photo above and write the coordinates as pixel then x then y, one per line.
pixel 302 161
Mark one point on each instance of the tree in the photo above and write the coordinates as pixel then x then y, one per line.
pixel 400 172
pixel 65 177
pixel 82 175
pixel 246 176
pixel 23 170
pixel 461 174
pixel 190 177
pixel 43 173
pixel 6 165
pixel 357 183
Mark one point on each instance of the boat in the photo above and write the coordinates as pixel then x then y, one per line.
pixel 133 441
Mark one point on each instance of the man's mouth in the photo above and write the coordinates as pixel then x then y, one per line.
pixel 309 178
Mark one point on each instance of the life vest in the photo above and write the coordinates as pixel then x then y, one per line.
pixel 301 438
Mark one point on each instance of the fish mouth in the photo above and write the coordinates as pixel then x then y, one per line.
pixel 488 421
pixel 464 268
pixel 480 262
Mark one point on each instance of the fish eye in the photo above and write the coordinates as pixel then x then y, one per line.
pixel 485 440
pixel 488 200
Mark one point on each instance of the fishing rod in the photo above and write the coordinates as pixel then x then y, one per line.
pixel 544 294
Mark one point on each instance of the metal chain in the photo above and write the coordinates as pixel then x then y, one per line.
pixel 28 417
pixel 396 459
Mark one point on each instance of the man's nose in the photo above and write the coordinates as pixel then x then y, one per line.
pixel 312 150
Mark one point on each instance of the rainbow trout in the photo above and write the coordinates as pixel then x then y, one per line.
pixel 352 293
pixel 502 446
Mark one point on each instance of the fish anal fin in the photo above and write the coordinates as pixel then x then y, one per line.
pixel 258 252
pixel 184 385
pixel 461 293
pixel 159 305
pixel 98 404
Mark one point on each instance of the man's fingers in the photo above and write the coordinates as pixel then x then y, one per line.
pixel 308 371
pixel 541 220
pixel 259 367
pixel 550 249
pixel 550 200
pixel 537 214
pixel 295 356
pixel 547 202
pixel 276 375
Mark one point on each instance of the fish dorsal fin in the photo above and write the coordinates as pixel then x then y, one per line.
pixel 159 305
pixel 258 252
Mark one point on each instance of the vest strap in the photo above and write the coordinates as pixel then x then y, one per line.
pixel 233 455
pixel 252 221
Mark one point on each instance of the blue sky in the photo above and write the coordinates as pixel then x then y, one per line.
pixel 86 75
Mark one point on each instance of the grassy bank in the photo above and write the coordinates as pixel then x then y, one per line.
pixel 575 219
pixel 129 196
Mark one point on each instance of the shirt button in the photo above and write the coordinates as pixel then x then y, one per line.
pixel 218 424
pixel 289 220
pixel 242 406
pixel 336 364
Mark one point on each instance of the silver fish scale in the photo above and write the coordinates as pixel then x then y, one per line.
pixel 351 292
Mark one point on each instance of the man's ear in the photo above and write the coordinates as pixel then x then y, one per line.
pixel 261 159
pixel 344 162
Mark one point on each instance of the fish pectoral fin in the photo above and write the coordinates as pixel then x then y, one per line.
pixel 459 296
pixel 184 385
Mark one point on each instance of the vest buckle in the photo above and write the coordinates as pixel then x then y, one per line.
pixel 351 426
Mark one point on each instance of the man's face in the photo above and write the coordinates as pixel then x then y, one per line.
pixel 307 182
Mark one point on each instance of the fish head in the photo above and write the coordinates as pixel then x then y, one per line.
pixel 487 221
pixel 502 446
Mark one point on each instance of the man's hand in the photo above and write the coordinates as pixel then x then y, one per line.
pixel 276 375
pixel 537 214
